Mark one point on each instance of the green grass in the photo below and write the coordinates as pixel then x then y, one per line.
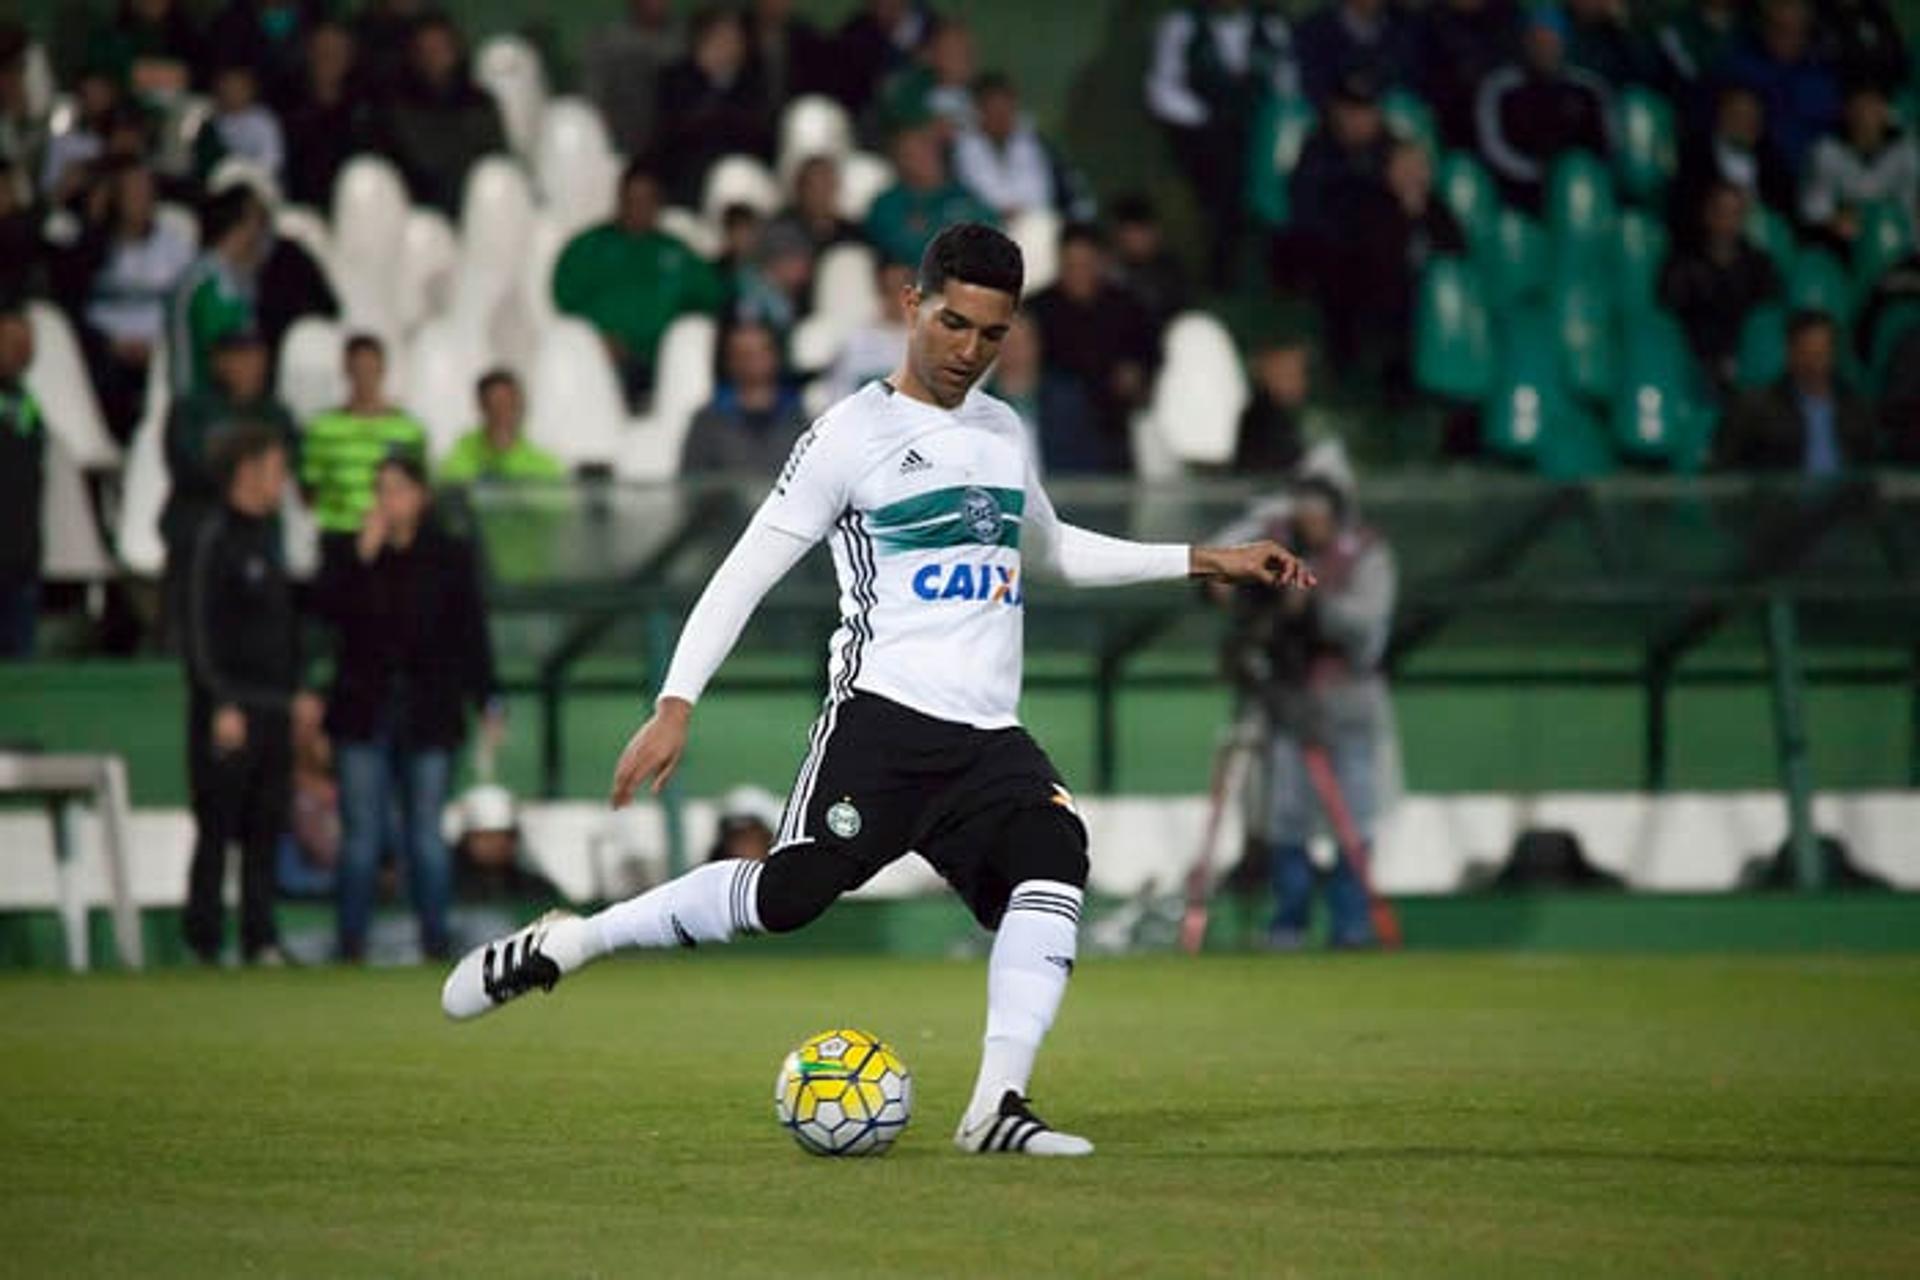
pixel 1366 1115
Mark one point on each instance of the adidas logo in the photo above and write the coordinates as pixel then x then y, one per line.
pixel 914 462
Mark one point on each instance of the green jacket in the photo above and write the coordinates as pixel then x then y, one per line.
pixel 472 458
pixel 342 452
pixel 902 221
pixel 632 287
pixel 193 424
pixel 211 301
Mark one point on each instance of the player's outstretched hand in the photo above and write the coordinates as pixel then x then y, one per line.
pixel 1267 564
pixel 654 751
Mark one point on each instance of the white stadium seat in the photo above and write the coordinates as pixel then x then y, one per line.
pixel 863 176
pixel 816 342
pixel 370 208
pixel 509 68
pixel 443 362
pixel 144 483
pixel 312 376
pixel 574 405
pixel 237 172
pixel 58 379
pixel 496 212
pixel 575 166
pixel 71 549
pixel 423 275
pixel 697 233
pixel 1037 232
pixel 306 227
pixel 1201 390
pixel 844 286
pixel 684 383
pixel 740 179
pixel 546 240
pixel 812 125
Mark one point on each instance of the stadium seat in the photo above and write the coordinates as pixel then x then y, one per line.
pixel 496 213
pixel 740 179
pixel 697 233
pixel 1817 281
pixel 1641 244
pixel 1453 332
pixel 144 483
pixel 312 378
pixel 815 343
pixel 843 286
pixel 1647 154
pixel 1466 189
pixel 1517 262
pixel 1408 115
pixel 509 68
pixel 546 240
pixel 1762 356
pixel 1657 413
pixel 307 228
pixel 179 219
pixel 574 404
pixel 234 171
pixel 1037 232
pixel 1280 132
pixel 575 167
pixel 1531 415
pixel 651 450
pixel 1580 208
pixel 1200 391
pixel 370 208
pixel 443 363
pixel 58 379
pixel 71 548
pixel 863 176
pixel 1886 236
pixel 1583 310
pixel 1772 233
pixel 423 275
pixel 1893 324
pixel 812 125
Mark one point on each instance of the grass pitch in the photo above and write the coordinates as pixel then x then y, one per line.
pixel 1480 1115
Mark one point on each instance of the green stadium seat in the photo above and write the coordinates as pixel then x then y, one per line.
pixel 1279 133
pixel 1895 323
pixel 1886 236
pixel 1408 115
pixel 1771 232
pixel 1762 356
pixel 1648 153
pixel 1468 192
pixel 1817 281
pixel 1658 413
pixel 1453 332
pixel 1583 314
pixel 1531 415
pixel 1517 260
pixel 1580 207
pixel 1641 246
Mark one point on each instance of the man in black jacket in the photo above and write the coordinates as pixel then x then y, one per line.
pixel 1531 112
pixel 23 452
pixel 241 640
pixel 1810 421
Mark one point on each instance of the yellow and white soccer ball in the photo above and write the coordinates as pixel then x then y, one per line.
pixel 843 1093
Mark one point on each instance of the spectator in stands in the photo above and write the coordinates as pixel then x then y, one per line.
pixel 1715 278
pixel 1694 43
pixel 498 449
pixel 440 123
pixel 924 199
pixel 1862 41
pixel 382 32
pixel 1094 331
pixel 291 285
pixel 23 451
pixel 815 211
pixel 65 165
pixel 740 231
pixel 217 294
pixel 241 127
pixel 1870 161
pixel 937 85
pixel 755 416
pixel 1053 406
pixel 1461 43
pixel 873 350
pixel 1212 66
pixel 1001 157
pixel 23 130
pixel 22 251
pixel 1733 151
pixel 151 46
pixel 774 288
pixel 1272 436
pixel 1143 262
pixel 871 45
pixel 268 35
pixel 345 446
pixel 1538 109
pixel 1601 39
pixel 327 118
pixel 629 280
pixel 133 261
pixel 786 54
pixel 623 66
pixel 1342 36
pixel 748 818
pixel 1796 87
pixel 1810 421
pixel 197 422
pixel 413 655
pixel 710 106
pixel 1340 178
pixel 241 640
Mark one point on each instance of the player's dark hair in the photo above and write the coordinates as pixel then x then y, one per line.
pixel 364 342
pixel 973 253
pixel 1806 319
pixel 497 376
pixel 235 448
pixel 1087 233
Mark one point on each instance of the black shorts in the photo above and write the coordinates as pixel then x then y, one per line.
pixel 882 780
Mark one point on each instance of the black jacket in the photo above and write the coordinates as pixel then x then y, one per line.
pixel 1765 430
pixel 23 452
pixel 412 650
pixel 240 634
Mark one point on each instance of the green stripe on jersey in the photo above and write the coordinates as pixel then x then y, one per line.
pixel 956 516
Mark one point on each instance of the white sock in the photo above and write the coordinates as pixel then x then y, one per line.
pixel 712 903
pixel 1026 977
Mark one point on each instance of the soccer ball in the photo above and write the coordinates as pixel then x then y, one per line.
pixel 843 1093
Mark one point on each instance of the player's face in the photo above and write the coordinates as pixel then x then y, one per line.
pixel 954 335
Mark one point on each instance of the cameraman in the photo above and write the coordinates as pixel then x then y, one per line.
pixel 1312 662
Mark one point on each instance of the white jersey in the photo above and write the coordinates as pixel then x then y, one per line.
pixel 924 508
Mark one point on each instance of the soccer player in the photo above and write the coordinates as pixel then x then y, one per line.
pixel 922 485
